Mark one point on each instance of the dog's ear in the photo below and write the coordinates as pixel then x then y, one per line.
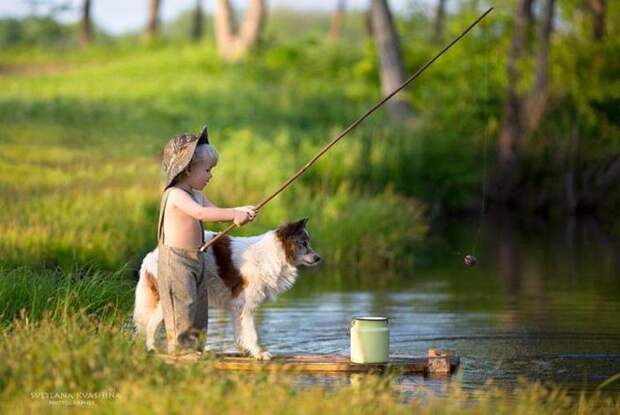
pixel 300 224
pixel 291 228
pixel 286 230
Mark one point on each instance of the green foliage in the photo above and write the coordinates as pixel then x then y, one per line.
pixel 35 31
pixel 80 161
pixel 107 111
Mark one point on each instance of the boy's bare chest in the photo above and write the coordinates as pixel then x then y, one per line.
pixel 181 230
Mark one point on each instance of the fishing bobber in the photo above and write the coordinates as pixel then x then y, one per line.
pixel 470 260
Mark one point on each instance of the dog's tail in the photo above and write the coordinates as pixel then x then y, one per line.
pixel 147 292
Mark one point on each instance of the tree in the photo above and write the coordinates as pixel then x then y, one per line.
pixel 86 29
pixel 392 73
pixel 197 21
pixel 151 27
pixel 438 24
pixel 523 111
pixel 233 46
pixel 598 9
pixel 335 28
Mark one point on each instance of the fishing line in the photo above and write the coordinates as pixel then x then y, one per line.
pixel 351 127
pixel 474 249
pixel 471 259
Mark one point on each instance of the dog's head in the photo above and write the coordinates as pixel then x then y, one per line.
pixel 296 242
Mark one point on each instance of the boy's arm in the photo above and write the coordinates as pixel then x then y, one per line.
pixel 207 203
pixel 210 213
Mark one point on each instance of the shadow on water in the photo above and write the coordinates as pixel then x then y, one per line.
pixel 542 304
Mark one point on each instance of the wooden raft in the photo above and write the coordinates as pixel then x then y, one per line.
pixel 436 362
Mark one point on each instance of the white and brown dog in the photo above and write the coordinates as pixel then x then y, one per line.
pixel 242 273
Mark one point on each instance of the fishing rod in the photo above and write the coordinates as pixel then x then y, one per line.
pixel 348 129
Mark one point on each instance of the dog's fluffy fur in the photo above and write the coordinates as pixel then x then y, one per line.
pixel 242 273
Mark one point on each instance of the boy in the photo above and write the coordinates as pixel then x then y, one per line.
pixel 187 163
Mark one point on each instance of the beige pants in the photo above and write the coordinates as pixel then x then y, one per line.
pixel 182 287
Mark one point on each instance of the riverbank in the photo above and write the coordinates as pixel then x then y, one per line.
pixel 85 357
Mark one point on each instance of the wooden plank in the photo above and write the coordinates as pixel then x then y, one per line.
pixel 338 363
pixel 437 362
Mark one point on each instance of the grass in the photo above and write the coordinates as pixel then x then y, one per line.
pixel 54 294
pixel 79 167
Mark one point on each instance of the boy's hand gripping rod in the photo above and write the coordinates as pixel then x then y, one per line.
pixel 351 127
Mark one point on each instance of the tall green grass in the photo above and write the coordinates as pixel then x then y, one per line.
pixel 79 159
pixel 56 295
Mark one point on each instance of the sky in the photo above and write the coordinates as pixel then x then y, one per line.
pixel 121 16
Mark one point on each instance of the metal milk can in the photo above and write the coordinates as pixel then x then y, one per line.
pixel 370 340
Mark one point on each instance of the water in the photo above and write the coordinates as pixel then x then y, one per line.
pixel 543 304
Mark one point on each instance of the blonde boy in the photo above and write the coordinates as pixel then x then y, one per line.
pixel 188 161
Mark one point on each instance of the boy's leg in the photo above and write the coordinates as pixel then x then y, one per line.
pixel 177 276
pixel 202 309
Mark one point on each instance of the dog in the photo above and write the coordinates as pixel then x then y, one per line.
pixel 242 273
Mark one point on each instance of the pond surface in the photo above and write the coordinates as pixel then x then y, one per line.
pixel 542 304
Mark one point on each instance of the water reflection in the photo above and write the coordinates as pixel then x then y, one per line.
pixel 544 303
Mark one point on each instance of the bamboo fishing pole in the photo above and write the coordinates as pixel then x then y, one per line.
pixel 349 128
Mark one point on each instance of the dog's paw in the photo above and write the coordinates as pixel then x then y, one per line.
pixel 207 349
pixel 264 356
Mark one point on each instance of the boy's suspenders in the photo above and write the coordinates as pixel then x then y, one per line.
pixel 162 209
pixel 160 222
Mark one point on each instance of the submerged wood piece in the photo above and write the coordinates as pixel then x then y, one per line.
pixel 439 361
pixel 442 364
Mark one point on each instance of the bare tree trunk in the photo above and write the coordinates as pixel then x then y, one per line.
pixel 151 27
pixel 223 27
pixel 86 28
pixel 233 46
pixel 197 21
pixel 252 25
pixel 599 11
pixel 529 27
pixel 536 103
pixel 438 24
pixel 523 113
pixel 368 24
pixel 528 10
pixel 335 29
pixel 392 73
pixel 513 130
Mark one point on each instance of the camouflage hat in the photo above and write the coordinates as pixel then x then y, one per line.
pixel 178 153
